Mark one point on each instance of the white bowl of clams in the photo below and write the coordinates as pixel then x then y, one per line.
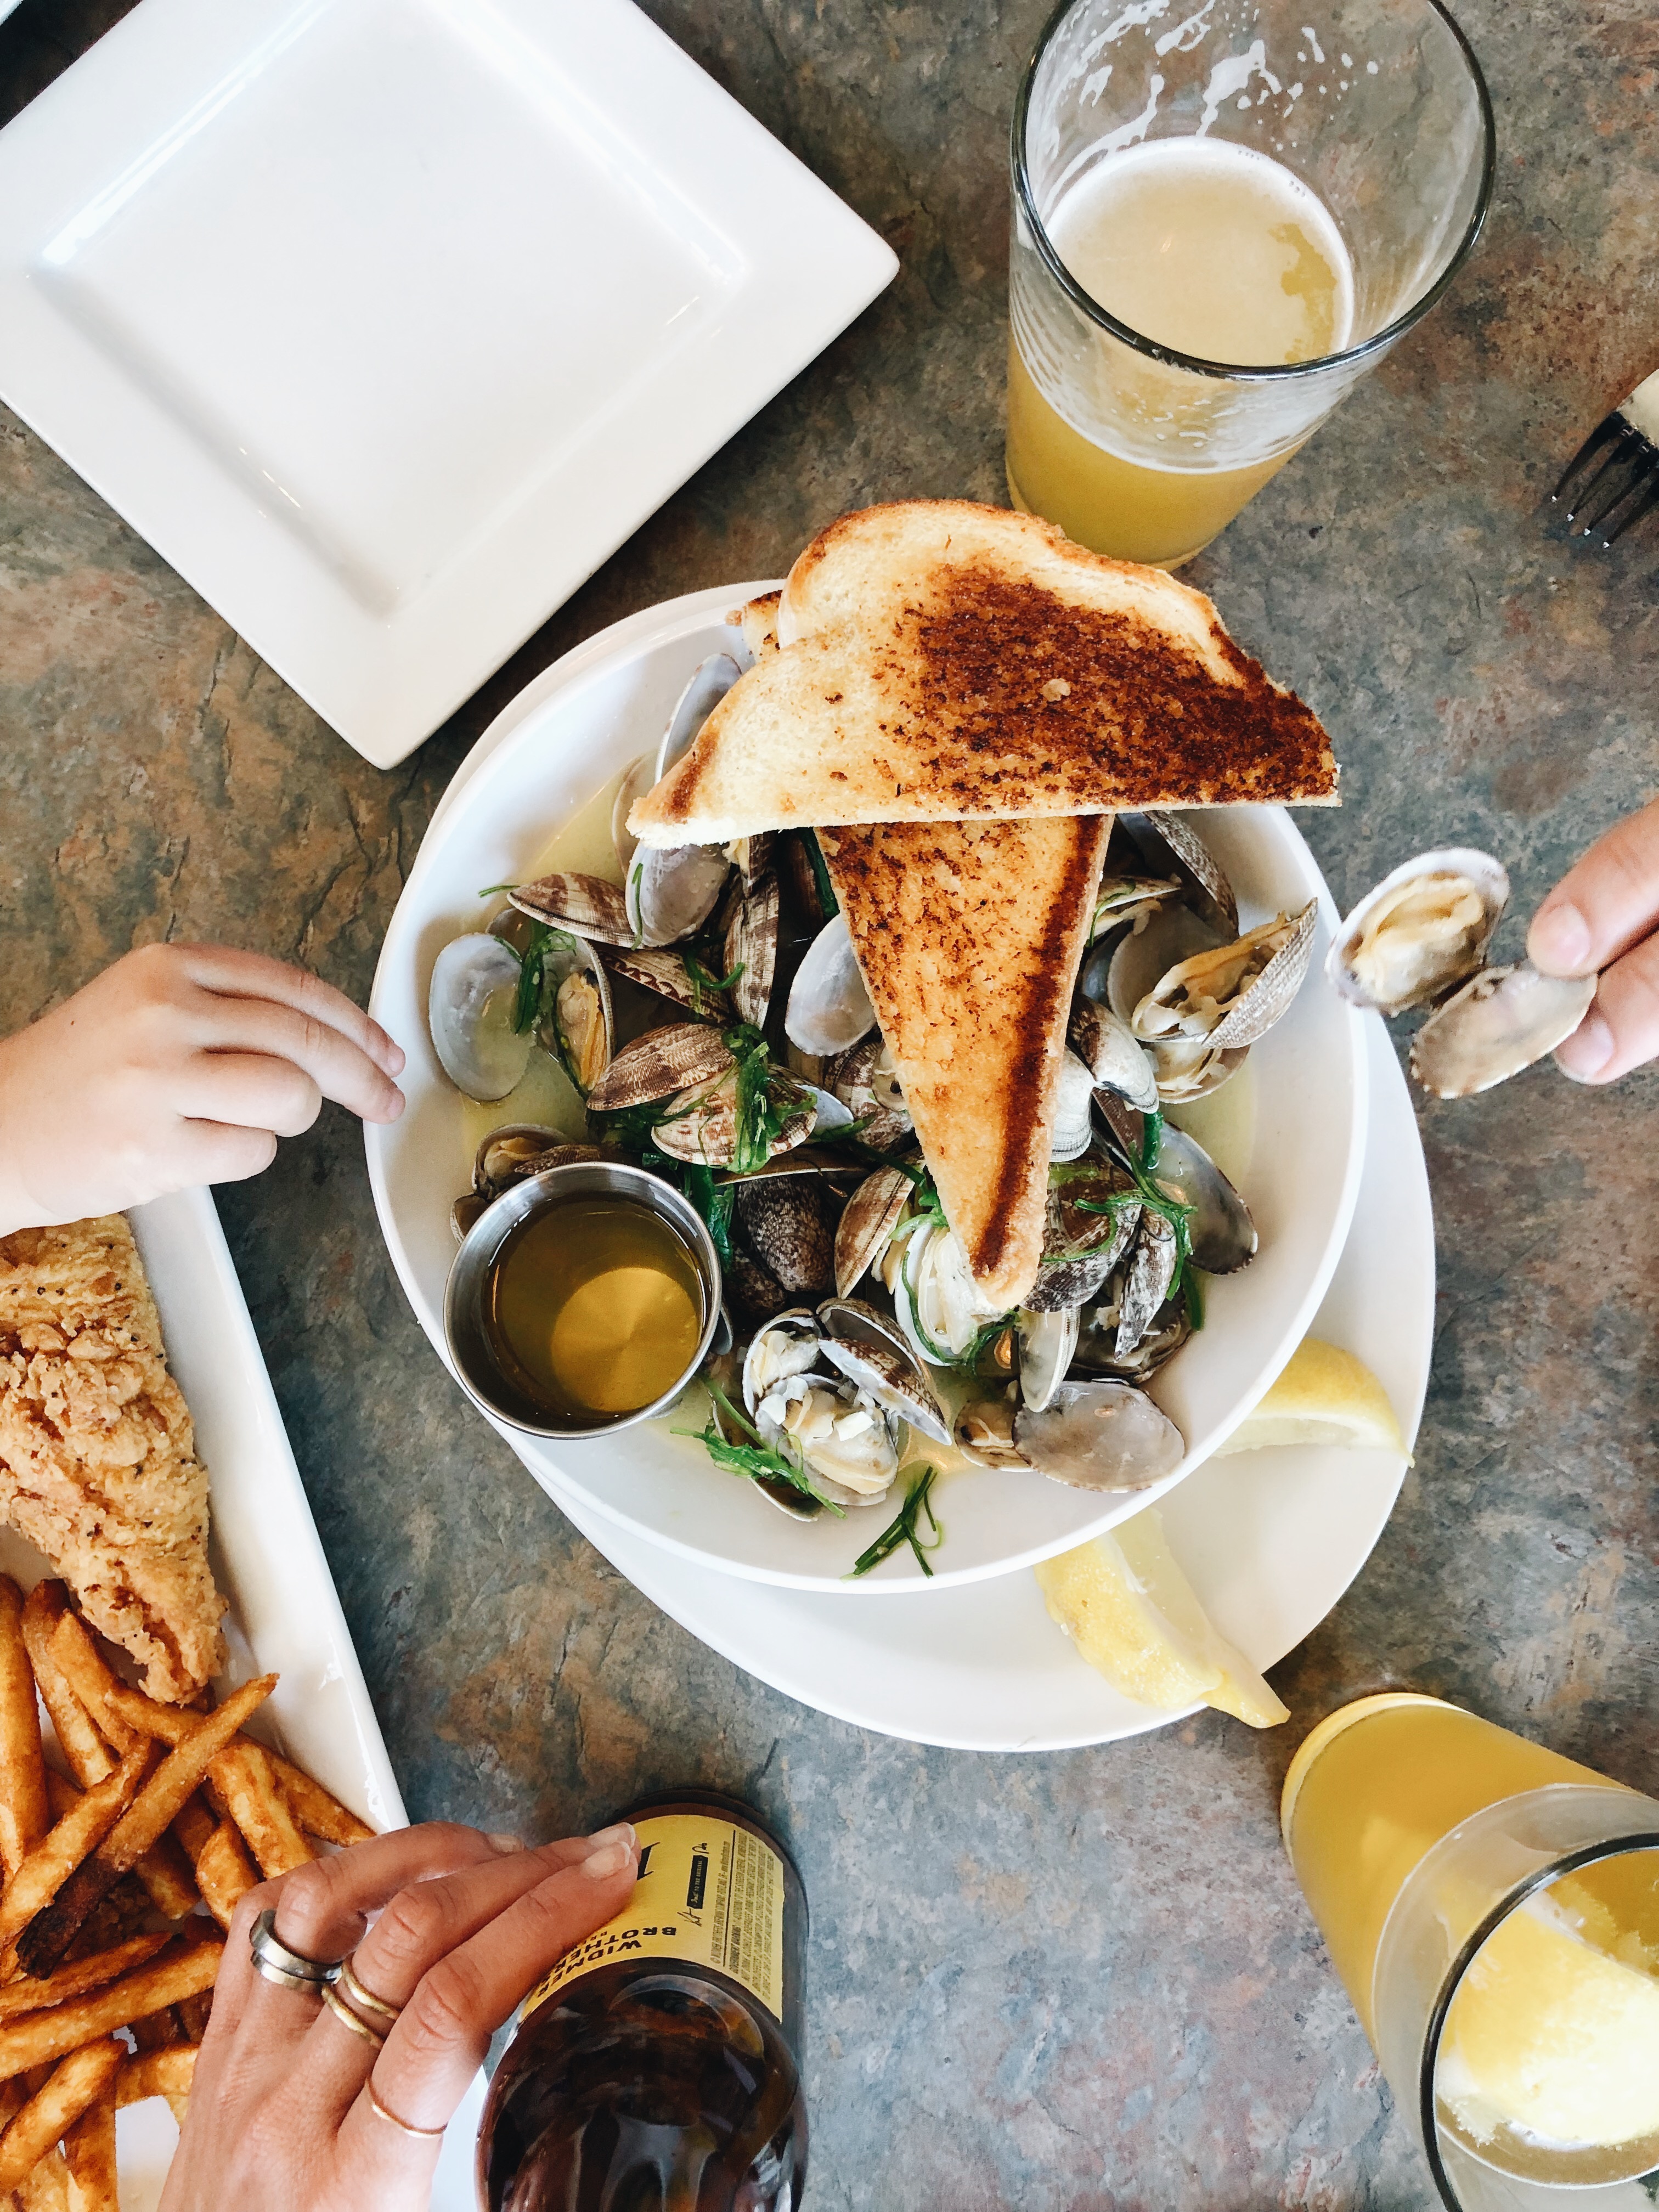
pixel 1175 1284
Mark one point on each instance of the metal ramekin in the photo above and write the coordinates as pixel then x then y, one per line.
pixel 464 1333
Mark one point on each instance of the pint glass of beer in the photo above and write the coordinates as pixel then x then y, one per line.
pixel 1493 1909
pixel 1225 212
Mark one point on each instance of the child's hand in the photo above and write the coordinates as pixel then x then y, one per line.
pixel 1603 918
pixel 181 1064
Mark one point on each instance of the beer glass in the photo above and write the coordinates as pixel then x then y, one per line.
pixel 1493 1910
pixel 1224 213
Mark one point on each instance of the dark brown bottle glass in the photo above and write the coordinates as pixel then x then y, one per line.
pixel 657 2069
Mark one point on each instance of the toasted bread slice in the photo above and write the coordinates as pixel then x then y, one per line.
pixel 969 935
pixel 943 661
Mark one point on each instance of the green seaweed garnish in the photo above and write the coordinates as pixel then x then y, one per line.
pixel 753 1460
pixel 904 1528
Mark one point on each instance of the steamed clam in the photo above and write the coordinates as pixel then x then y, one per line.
pixel 587 906
pixel 866 1083
pixel 1421 933
pixel 1113 1054
pixel 1090 1434
pixel 471 1005
pixel 671 892
pixel 581 1023
pixel 829 1009
pixel 1164 840
pixel 835 1391
pixel 1073 1127
pixel 709 684
pixel 509 1155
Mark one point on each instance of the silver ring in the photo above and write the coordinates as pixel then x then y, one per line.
pixel 290 1970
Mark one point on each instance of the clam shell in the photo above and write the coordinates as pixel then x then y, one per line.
pixel 1114 1055
pixel 1098 1435
pixel 701 1123
pixel 1065 1285
pixel 586 905
pixel 984 1432
pixel 787 1223
pixel 808 884
pixel 709 682
pixel 1230 996
pixel 871 1352
pixel 1075 1224
pixel 1501 1021
pixel 787 1345
pixel 868 1221
pixel 672 890
pixel 829 1009
pixel 751 950
pixel 1220 1229
pixel 500 1158
pixel 754 1291
pixel 470 1020
pixel 661 969
pixel 1421 933
pixel 637 779
pixel 659 1063
pixel 582 1027
pixel 752 856
pixel 1188 1072
pixel 1073 1127
pixel 1096 1346
pixel 1163 837
pixel 1127 901
pixel 1140 960
pixel 863 1080
pixel 1147 1280
pixel 1046 1341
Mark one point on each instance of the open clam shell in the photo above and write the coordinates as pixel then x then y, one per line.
pixel 470 1007
pixel 1064 1285
pixel 787 1345
pixel 1147 1280
pixel 1163 839
pixel 983 1431
pixel 586 905
pixel 1128 901
pixel 1114 1055
pixel 1501 1021
pixel 667 975
pixel 1219 1229
pixel 637 779
pixel 1097 1352
pixel 1073 1125
pixel 1098 1435
pixel 700 1124
pixel 1046 1342
pixel 864 1080
pixel 1421 933
pixel 1141 961
pixel 868 1221
pixel 829 1009
pixel 1230 997
pixel 871 1352
pixel 671 891
pixel 658 1064
pixel 935 1296
pixel 709 682
pixel 581 1025
pixel 750 950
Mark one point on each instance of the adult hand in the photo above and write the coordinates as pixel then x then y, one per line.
pixel 181 1064
pixel 283 2112
pixel 1602 918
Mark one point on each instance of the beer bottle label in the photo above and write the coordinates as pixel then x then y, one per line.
pixel 709 1894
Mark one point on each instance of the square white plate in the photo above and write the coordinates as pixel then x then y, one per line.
pixel 284 1613
pixel 385 321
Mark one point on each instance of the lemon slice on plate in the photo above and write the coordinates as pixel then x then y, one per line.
pixel 1124 1603
pixel 1324 1396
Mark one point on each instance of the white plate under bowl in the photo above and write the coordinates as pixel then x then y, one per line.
pixel 386 321
pixel 1302 1172
pixel 1270 1541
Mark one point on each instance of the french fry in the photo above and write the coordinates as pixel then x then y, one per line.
pixel 79 1662
pixel 225 1872
pixel 242 1775
pixel 55 2108
pixel 89 2154
pixel 27 1996
pixel 178 1972
pixel 24 1815
pixel 47 2188
pixel 60 1854
pixel 157 2074
pixel 316 1812
pixel 62 1794
pixel 194 2013
pixel 151 1813
pixel 193 1825
pixel 90 1758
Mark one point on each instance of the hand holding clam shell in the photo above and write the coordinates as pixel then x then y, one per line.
pixel 1602 919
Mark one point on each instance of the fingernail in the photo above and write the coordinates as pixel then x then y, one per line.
pixel 504 1842
pixel 619 1833
pixel 1560 939
pixel 599 1866
pixel 1587 1050
pixel 395 1057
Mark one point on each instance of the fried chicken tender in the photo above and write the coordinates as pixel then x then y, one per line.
pixel 98 1466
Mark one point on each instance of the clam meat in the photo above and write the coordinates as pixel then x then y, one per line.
pixel 1421 933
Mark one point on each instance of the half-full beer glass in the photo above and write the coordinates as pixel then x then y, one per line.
pixel 1225 212
pixel 1493 1909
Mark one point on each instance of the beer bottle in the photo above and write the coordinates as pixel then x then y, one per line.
pixel 655 2069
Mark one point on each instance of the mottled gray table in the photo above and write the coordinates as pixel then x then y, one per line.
pixel 1083 1980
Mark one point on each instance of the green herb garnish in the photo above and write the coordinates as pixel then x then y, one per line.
pixel 903 1529
pixel 714 1201
pixel 826 889
pixel 754 1460
pixel 701 980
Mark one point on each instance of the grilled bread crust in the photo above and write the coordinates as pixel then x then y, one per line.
pixel 943 661
pixel 968 936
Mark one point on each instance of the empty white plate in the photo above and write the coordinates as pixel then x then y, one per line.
pixel 385 321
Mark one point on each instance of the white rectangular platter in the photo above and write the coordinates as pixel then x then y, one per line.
pixel 284 1612
pixel 385 321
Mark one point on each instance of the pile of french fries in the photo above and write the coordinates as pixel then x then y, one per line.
pixel 107 1959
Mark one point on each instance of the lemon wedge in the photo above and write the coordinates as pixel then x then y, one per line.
pixel 1131 1612
pixel 1324 1396
pixel 1554 2033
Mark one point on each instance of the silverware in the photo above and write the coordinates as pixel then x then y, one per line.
pixel 1613 480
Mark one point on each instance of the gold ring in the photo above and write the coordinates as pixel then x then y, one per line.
pixel 364 1999
pixel 343 2012
pixel 376 2106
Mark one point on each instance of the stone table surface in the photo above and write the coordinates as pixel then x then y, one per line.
pixel 1083 1980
